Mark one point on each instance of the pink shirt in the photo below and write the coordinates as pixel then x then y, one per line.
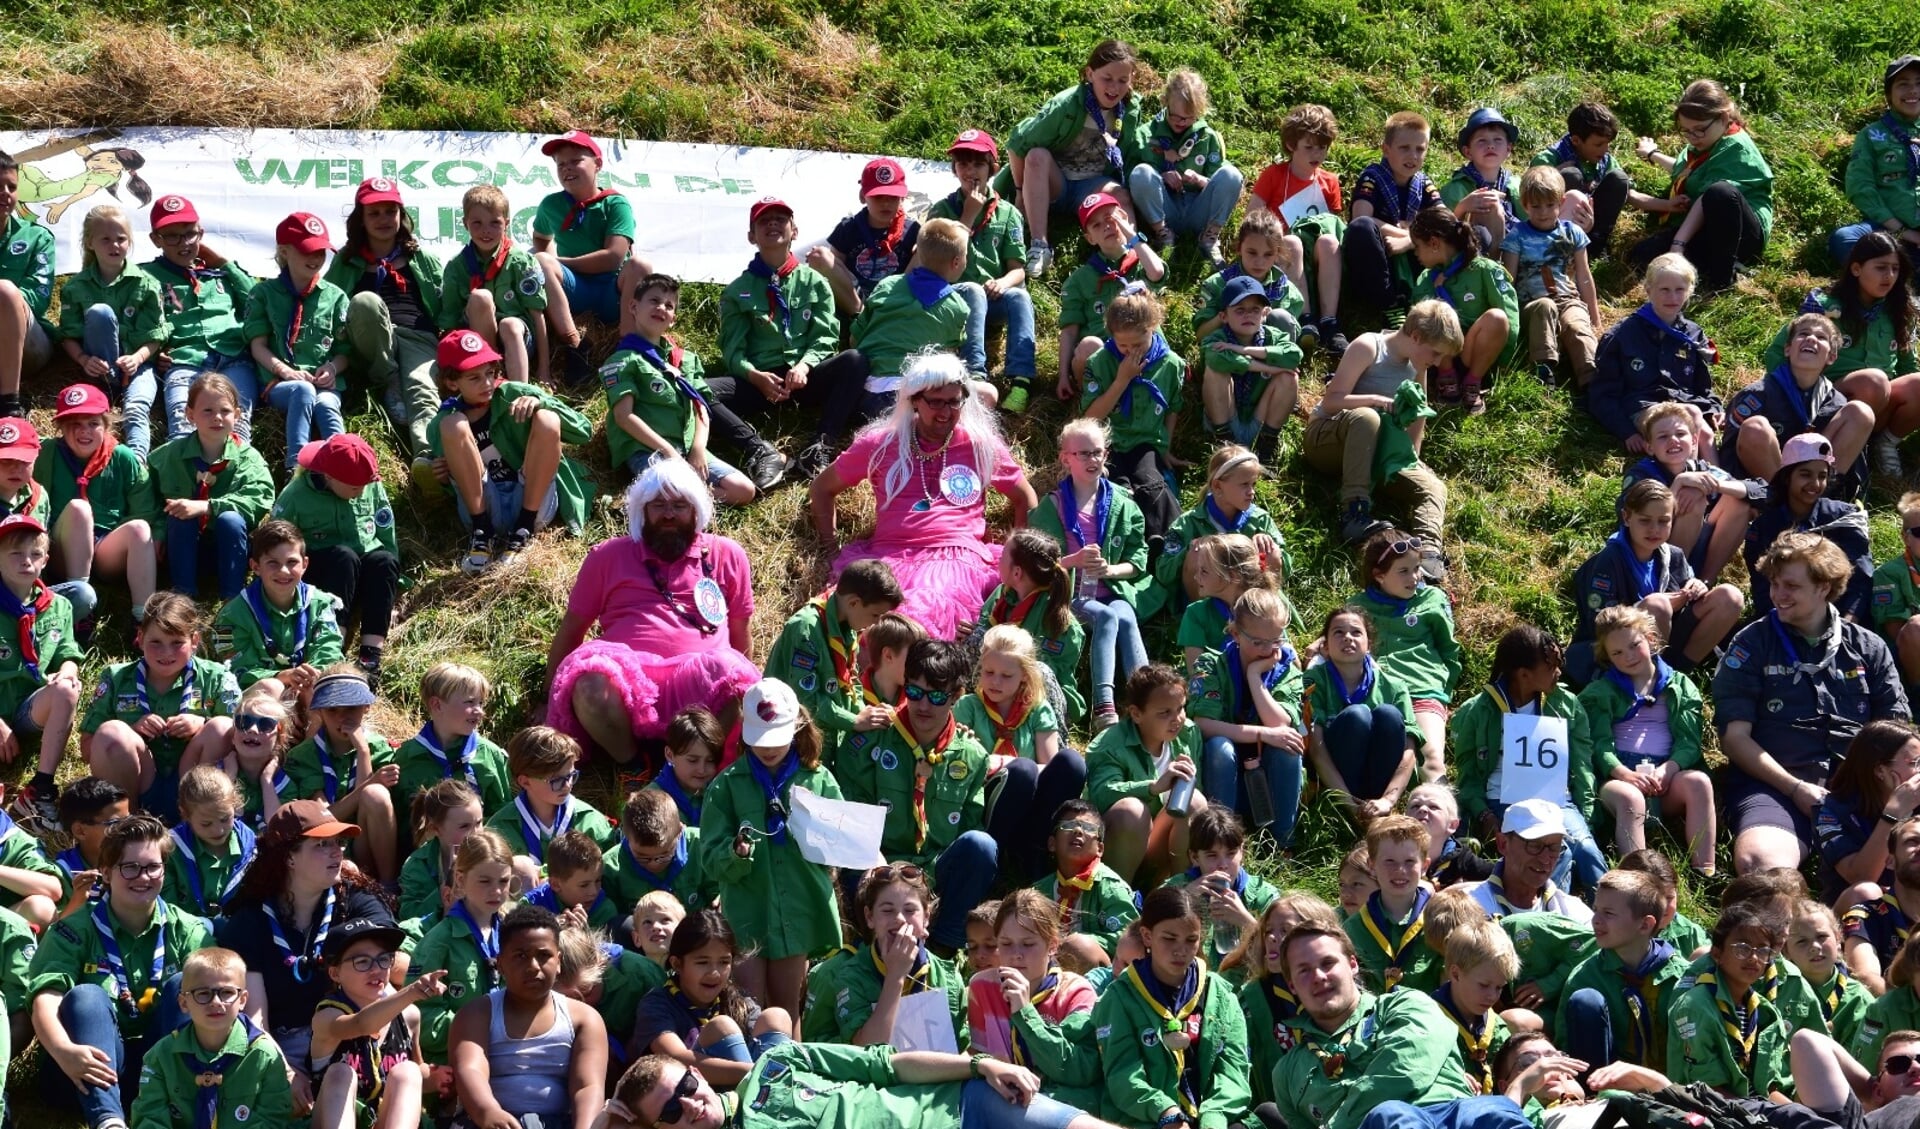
pixel 616 589
pixel 990 1024
pixel 955 514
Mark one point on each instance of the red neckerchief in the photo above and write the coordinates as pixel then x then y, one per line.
pixel 986 214
pixel 95 464
pixel 486 277
pixel 579 211
pixel 1078 884
pixel 931 757
pixel 385 264
pixel 884 249
pixel 1007 610
pixel 35 492
pixel 842 661
pixel 29 649
pixel 1116 273
pixel 299 308
pixel 1695 160
pixel 203 478
pixel 1005 728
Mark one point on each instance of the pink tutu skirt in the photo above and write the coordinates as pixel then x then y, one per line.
pixel 653 687
pixel 944 584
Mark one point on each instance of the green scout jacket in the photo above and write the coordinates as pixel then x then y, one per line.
pixel 423 272
pixel 971 712
pixel 1101 911
pixel 1199 149
pixel 1461 185
pixel 1549 945
pixel 449 945
pixel 592 226
pixel 753 336
pixel 1119 768
pixel 306 766
pixel 893 325
pixel 1639 1025
pixel 1480 285
pixel 1897 1010
pixel 1473 741
pixel 1060 653
pixel 1880 181
pixel 1267 1004
pixel 22 851
pixel 1685 935
pixel 1063 1054
pixel 836 1015
pixel 1280 351
pixel 775 898
pixel 253 1081
pixel 192 861
pixel 240 633
pixel 814 655
pixel 814 1085
pixel 1896 594
pixel 1324 702
pixel 1396 1047
pixel 479 762
pixel 1735 159
pixel 204 308
pixel 1605 704
pixel 626 880
pixel 1057 124
pixel 18 943
pixel 53 640
pixel 73 951
pixel 627 980
pixel 1138 420
pixel 1166 592
pixel 204 688
pixel 134 298
pixel 243 485
pixel 1094 283
pixel 1285 352
pixel 1868 346
pixel 1413 639
pixel 1213 694
pixel 519 286
pixel 421 878
pixel 1700 1048
pixel 1395 954
pixel 1143 1072
pixel 27 261
pixel 1256 893
pixel 1844 1001
pixel 1125 542
pixel 121 491
pixel 586 819
pixel 999 236
pixel 323 323
pixel 510 438
pixel 955 791
pixel 662 398
pixel 363 524
pixel 1783 986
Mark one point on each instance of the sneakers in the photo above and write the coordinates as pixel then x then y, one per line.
pixel 1159 235
pixel 1016 398
pixel 1331 339
pixel 1309 333
pixel 1039 258
pixel 1210 246
pixel 1446 384
pixel 812 462
pixel 511 546
pixel 1886 456
pixel 368 660
pixel 766 466
pixel 479 556
pixel 39 806
pixel 1359 522
pixel 1104 717
pixel 1472 397
pixel 1433 565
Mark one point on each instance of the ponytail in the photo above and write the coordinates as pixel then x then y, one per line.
pixel 1441 224
pixel 431 805
pixel 1038 555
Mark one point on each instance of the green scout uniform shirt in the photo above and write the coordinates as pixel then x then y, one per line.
pixel 1549 945
pixel 1476 1052
pixel 420 880
pixel 1137 420
pixel 1733 158
pixel 22 851
pixel 1284 352
pixel 305 766
pixel 1880 181
pixel 626 981
pixel 1783 986
pixel 955 794
pixel 1590 171
pixel 1086 292
pixel 573 484
pixel 519 287
pixel 971 712
pixel 598 222
pixel 240 640
pixel 52 639
pixel 1119 768
pixel 1379 940
pixel 1198 150
pixel 1256 893
pixel 626 881
pixel 774 898
pixel 1844 1001
pixel 1191 526
pixel 1214 695
pixel 1896 596
pixel 363 524
pixel 824 679
pixel 253 1088
pixel 1481 285
pixel 812 1085
pixel 1057 124
pixel 893 325
pixel 213 867
pixel 323 324
pixel 134 298
pixel 1104 910
pixel 18 943
pixel 586 819
pixel 1871 346
pixel 1267 1004
pixel 116 697
pixel 1143 1073
pixel 1396 1047
pixel 244 486
pixel 1473 741
pixel 31 501
pixel 659 401
pixel 204 309
pixel 999 236
pixel 1461 185
pixel 423 273
pixel 1323 702
pixel 1413 639
pixel 1699 1048
pixel 1125 542
pixel 751 336
pixel 1280 351
pixel 1604 704
pixel 485 768
pixel 838 1017
pixel 1685 935
pixel 449 945
pixel 1204 623
pixel 121 492
pixel 1063 1054
pixel 27 261
pixel 1897 1010
pixel 1060 653
pixel 1605 973
pixel 72 952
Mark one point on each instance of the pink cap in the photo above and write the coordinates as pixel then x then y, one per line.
pixel 1805 449
pixel 578 137
pixel 883 176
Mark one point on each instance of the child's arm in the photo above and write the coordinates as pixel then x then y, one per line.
pixel 702 428
pixel 331 1027
pixel 1511 260
pixel 472 1076
pixel 625 419
pixel 251 493
pixel 1340 395
pixel 1583 282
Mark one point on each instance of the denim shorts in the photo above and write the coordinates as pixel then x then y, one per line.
pixel 1074 191
pixel 717 468
pixel 596 294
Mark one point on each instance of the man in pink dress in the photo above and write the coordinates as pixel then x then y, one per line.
pixel 672 602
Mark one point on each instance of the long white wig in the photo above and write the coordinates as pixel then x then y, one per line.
pixel 891 466
pixel 674 477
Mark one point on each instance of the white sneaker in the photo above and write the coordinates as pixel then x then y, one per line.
pixel 479 556
pixel 1039 258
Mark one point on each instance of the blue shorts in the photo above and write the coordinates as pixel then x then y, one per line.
pixel 23 717
pixel 504 500
pixel 1074 191
pixel 596 294
pixel 982 1107
pixel 717 468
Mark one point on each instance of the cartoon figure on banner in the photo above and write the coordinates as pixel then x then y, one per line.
pixel 99 168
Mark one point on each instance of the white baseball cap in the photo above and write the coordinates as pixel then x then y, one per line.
pixel 769 714
pixel 1533 819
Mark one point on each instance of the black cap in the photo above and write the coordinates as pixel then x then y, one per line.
pixel 340 936
pixel 1893 71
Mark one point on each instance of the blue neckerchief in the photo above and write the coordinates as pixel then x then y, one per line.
pixel 1156 352
pixel 537 834
pixel 1405 201
pixel 1070 510
pixel 1219 516
pixel 210 1072
pixel 1905 135
pixel 1782 376
pixel 770 786
pixel 689 807
pixel 928 288
pixel 1220 606
pixel 1662 675
pixel 256 597
pixel 1786 637
pixel 1394 604
pixel 1112 272
pixel 114 965
pixel 187 697
pixel 1276 290
pixel 1449 272
pixel 1191 136
pixel 1472 1025
pixel 388 265
pixel 544 897
pixel 488 944
pixel 776 293
pixel 26 612
pixel 1643 574
pixel 651 354
pixel 1498 183
pixel 1646 314
pixel 302 965
pixel 1359 693
pixel 1240 878
pixel 1563 154
pixel 1099 116
pixel 184 841
pixel 672 875
pixel 1243 711
pixel 330 782
pixel 1648 468
pixel 430 741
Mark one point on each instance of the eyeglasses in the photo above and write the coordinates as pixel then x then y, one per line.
pixel 180 238
pixel 205 996
pixel 1900 1064
pixel 1913 530
pixel 1740 950
pixel 109 824
pixel 134 871
pixel 1697 132
pixel 1078 827
pixel 937 697
pixel 367 962
pixel 675 1107
pixel 655 860
pixel 943 404
pixel 1097 454
pixel 1257 642
pixel 564 782
pixel 255 723
pixel 1540 848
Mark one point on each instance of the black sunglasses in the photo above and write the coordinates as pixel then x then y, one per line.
pixel 937 697
pixel 675 1107
pixel 1899 1064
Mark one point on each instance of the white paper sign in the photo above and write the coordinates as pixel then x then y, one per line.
pixel 838 832
pixel 1309 201
pixel 1533 759
pixel 924 1023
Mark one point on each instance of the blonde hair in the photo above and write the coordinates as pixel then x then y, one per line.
pixel 444 680
pixel 1228 458
pixel 1262 603
pixel 1542 184
pixel 205 786
pixel 1139 310
pixel 486 196
pixel 1088 429
pixel 1012 640
pixel 100 215
pixel 1474 943
pixel 211 959
pixel 1669 409
pixel 1433 323
pixel 1909 503
pixel 1442 793
pixel 942 241
pixel 1623 617
pixel 1251 953
pixel 266 703
pixel 1672 265
pixel 212 383
pixel 1447 911
pixel 1237 559
pixel 481 846
pixel 662 900
pixel 1406 121
pixel 582 961
pixel 1397 829
pixel 1187 85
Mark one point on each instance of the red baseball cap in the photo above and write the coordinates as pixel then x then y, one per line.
pixel 81 400
pixel 974 141
pixel 169 210
pixel 344 458
pixel 21 521
pixel 304 232
pixel 578 137
pixel 767 204
pixel 377 190
pixel 1092 205
pixel 18 440
pixel 460 350
pixel 883 176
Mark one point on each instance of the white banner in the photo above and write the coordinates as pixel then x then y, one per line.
pixel 690 201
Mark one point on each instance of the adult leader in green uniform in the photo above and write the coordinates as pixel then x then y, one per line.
pixel 1721 185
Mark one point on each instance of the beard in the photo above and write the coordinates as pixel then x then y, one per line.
pixel 668 539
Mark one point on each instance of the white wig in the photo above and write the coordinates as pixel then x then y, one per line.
pixel 675 477
pixel 891 466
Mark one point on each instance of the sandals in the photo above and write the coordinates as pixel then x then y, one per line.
pixel 1446 384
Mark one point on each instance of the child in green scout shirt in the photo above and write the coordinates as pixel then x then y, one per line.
pixel 1226 507
pixel 1246 701
pixel 204 295
pixel 217 1068
pixel 1481 192
pixel 89 808
pixel 105 981
pixel 1251 375
pixel 510 293
pixel 1362 736
pixel 279 632
pixel 881 668
pixel 1898 1009
pixel 111 321
pixel 650 928
pixel 608 978
pixel 1024 1007
pixel 1133 380
pixel 1480 962
pixel 1598 188
pixel 1173 1038
pixel 590 232
pixel 659 405
pixel 297 326
pixel 442 817
pixel 32 885
pixel 893 912
pixel 1226 567
pixel 365 1054
pixel 1676 928
pixel 1009 710
pixel 1133 768
pixel 498 445
pixel 211 847
pixel 700 1016
pixel 350 767
pixel 262 730
pixel 694 742
pixel 1230 900
pixel 1413 634
pixel 40 671
pixel 995 283
pixel 393 308
pixel 1035 594
pixel 213 488
pixel 1481 295
pixel 573 889
pixel 450 745
pixel 1722 1031
pixel 907 314
pixel 1266 999
pixel 1120 256
pixel 165 709
pixel 1386 931
pixel 26 290
pixel 1881 180
pixel 1813 945
pixel 99 496
pixel 466 942
pixel 1188 187
pixel 545 767
pixel 1896 592
pixel 1614 1005
pixel 814 652
pixel 337 501
pixel 1096 904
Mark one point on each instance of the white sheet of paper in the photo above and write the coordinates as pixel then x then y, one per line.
pixel 838 832
pixel 1533 759
pixel 924 1023
pixel 1309 201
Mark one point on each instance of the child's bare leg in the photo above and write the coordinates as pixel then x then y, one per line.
pixel 787 983
pixel 1083 952
pixel 469 474
pixel 543 458
pixel 1907 644
pixel 559 311
pixel 1486 340
pixel 128 551
pixel 1276 403
pixel 1759 448
pixel 750 973
pixel 1433 758
pixel 209 745
pixel 1082 353
pixel 333 1102
pixel 1326 258
pixel 513 349
pixel 1293 260
pixel 1040 182
pixel 73 540
pixel 1216 398
pixel 1127 828
pixel 1629 807
pixel 1715 615
pixel 1868 386
pixel 116 754
pixel 53 709
pixel 378 850
pixel 482 316
pixel 16 317
pixel 1728 534
pixel 1849 431
pixel 526 874
pixel 1692 792
pixel 401 1098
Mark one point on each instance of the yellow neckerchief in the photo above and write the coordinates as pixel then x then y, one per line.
pixel 918 977
pixel 702 1015
pixel 1496 882
pixel 1005 728
pixel 842 655
pixel 1374 916
pixel 1044 990
pixel 1477 1048
pixel 933 758
pixel 1077 883
pixel 1743 1039
pixel 1174 1021
pixel 1836 988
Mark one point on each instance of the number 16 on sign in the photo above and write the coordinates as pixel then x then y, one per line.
pixel 1533 759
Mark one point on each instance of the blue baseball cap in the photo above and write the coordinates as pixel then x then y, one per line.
pixel 341 691
pixel 1482 118
pixel 1239 290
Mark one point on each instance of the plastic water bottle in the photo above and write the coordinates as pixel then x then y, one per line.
pixel 1259 790
pixel 1181 794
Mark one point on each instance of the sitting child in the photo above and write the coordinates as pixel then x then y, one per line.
pixel 112 325
pixel 1189 188
pixel 1142 774
pixel 279 632
pixel 1547 257
pixel 1615 1004
pixel 1482 192
pixel 1096 904
pixel 1597 186
pixel 365 1061
pixel 297 326
pixel 1133 359
pixel 589 231
pixel 39 681
pixel 573 889
pixel 872 244
pixel 995 282
pixel 350 767
pixel 1793 399
pixel 1434 806
pixel 1713 508
pixel 1481 294
pixel 1656 356
pixel 206 295
pixel 814 652
pixel 1386 931
pixel 1305 195
pixel 450 745
pixel 1376 251
pixel 509 295
pixel 545 767
pixel 249 1076
pixel 212 488
pixel 1251 378
pixel 99 496
pixel 1120 258
pixel 211 846
pixel 338 502
pixel 442 817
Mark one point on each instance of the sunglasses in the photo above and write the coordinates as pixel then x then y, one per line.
pixel 255 723
pixel 206 996
pixel 675 1107
pixel 1900 1064
pixel 919 693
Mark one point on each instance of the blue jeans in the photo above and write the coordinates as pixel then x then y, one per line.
pixel 717 467
pixel 1113 642
pixel 229 533
pixel 92 1019
pixel 1589 1033
pixel 179 381
pixel 80 595
pixel 982 1107
pixel 1220 772
pixel 736 1048
pixel 1187 213
pixel 596 294
pixel 1366 744
pixel 1015 307
pixel 100 338
pixel 312 413
pixel 1461 1113
pixel 1022 815
pixel 963 875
